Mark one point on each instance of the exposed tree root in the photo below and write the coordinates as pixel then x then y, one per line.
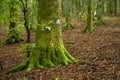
pixel 20 67
pixel 58 57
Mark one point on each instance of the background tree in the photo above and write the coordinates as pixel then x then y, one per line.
pixel 27 11
pixel 49 50
pixel 99 11
pixel 110 7
pixel 115 7
pixel 118 5
pixel 14 35
pixel 4 13
pixel 67 11
pixel 79 8
pixel 89 27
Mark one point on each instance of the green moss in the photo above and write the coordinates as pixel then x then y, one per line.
pixel 57 78
pixel 68 24
pixel 20 67
pixel 14 34
pixel 89 28
pixel 49 50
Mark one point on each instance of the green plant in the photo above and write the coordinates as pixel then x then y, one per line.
pixel 14 36
pixel 57 78
pixel 71 42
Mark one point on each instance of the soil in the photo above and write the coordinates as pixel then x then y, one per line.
pixel 99 53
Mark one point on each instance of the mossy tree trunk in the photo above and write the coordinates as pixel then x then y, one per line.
pixel 67 10
pixel 119 6
pixel 99 13
pixel 49 50
pixel 79 8
pixel 14 34
pixel 89 27
pixel 115 7
pixel 68 24
pixel 110 7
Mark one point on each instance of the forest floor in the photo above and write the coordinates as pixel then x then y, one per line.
pixel 98 51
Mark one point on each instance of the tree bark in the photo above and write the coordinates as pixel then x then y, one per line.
pixel 89 27
pixel 49 50
pixel 13 35
pixel 115 7
pixel 99 13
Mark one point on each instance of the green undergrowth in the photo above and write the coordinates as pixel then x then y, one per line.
pixel 26 48
pixel 71 42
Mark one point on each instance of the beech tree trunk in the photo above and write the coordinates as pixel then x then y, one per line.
pixel 49 50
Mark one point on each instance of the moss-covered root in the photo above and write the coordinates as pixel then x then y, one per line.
pixel 59 56
pixel 63 57
pixel 20 67
pixel 27 65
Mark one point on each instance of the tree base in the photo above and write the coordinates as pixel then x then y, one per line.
pixel 58 57
pixel 89 30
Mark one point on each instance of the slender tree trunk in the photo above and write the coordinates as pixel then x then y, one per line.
pixel 89 27
pixel 26 13
pixel 49 50
pixel 26 18
pixel 26 25
pixel 67 12
pixel 79 8
pixel 110 7
pixel 119 6
pixel 99 13
pixel 115 7
pixel 68 24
